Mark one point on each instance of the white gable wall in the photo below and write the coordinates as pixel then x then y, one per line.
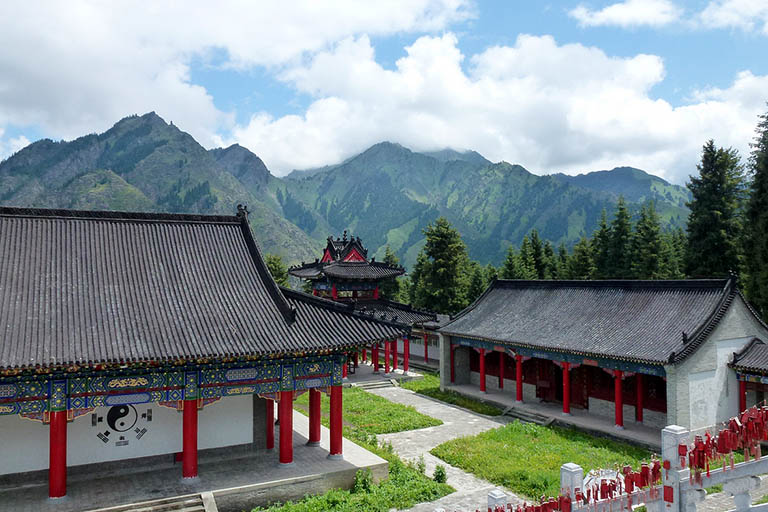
pixel 703 390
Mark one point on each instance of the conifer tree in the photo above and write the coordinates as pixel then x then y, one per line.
pixel 390 288
pixel 562 262
pixel 416 281
pixel 549 261
pixel 444 280
pixel 647 246
pixel 714 224
pixel 537 253
pixel 620 243
pixel 581 264
pixel 756 240
pixel 491 274
pixel 477 282
pixel 601 244
pixel 278 269
pixel 511 268
pixel 527 260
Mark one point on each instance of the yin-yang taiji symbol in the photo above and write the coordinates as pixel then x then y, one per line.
pixel 122 417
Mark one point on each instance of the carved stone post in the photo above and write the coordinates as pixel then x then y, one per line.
pixel 739 489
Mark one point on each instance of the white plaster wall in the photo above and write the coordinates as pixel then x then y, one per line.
pixel 703 390
pixel 24 445
pixel 226 422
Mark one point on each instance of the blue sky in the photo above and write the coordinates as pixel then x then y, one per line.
pixel 565 86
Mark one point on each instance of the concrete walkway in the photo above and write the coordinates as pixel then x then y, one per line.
pixel 471 492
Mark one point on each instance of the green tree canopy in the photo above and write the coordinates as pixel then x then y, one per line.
pixel 756 239
pixel 390 288
pixel 714 224
pixel 278 269
pixel 620 243
pixel 581 264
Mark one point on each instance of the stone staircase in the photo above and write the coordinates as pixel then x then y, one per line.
pixel 375 384
pixel 190 503
pixel 527 416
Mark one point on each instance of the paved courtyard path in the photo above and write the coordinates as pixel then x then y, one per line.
pixel 471 492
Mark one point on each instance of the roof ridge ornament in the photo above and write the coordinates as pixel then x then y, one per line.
pixel 242 211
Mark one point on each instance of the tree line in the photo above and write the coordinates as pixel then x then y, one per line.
pixel 727 232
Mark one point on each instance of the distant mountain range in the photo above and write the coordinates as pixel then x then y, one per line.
pixel 385 195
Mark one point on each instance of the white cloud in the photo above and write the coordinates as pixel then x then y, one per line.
pixel 11 145
pixel 550 107
pixel 747 15
pixel 630 13
pixel 75 67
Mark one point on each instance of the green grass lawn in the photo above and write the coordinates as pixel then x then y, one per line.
pixel 430 386
pixel 526 458
pixel 366 414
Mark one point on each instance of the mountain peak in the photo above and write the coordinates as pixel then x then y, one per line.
pixel 449 155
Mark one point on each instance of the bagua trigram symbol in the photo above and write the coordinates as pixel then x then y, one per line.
pixel 120 421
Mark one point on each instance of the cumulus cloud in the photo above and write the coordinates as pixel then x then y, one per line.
pixel 630 13
pixel 11 145
pixel 550 107
pixel 76 67
pixel 746 15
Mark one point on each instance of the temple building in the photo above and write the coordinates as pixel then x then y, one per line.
pixel 345 274
pixel 126 335
pixel 656 353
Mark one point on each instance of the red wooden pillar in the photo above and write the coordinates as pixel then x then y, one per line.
pixel 453 368
pixel 365 356
pixel 189 433
pixel 387 347
pixel 742 396
pixel 344 367
pixel 270 406
pixel 519 378
pixel 426 349
pixel 482 370
pixel 406 354
pixel 639 396
pixel 335 423
pixel 314 417
pixel 334 292
pixel 394 355
pixel 375 357
pixel 357 359
pixel 376 293
pixel 286 427
pixel 501 370
pixel 617 397
pixel 566 388
pixel 57 451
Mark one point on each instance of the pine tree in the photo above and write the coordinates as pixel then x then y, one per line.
pixel 562 262
pixel 601 246
pixel 526 260
pixel 491 274
pixel 647 246
pixel 581 264
pixel 477 282
pixel 390 288
pixel 416 281
pixel 714 224
pixel 445 278
pixel 549 261
pixel 511 267
pixel 756 239
pixel 620 243
pixel 278 269
pixel 537 253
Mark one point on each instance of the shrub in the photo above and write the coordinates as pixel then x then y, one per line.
pixel 440 475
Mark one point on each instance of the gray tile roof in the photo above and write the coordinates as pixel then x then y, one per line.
pixel 361 271
pixel 93 287
pixel 395 311
pixel 628 320
pixel 753 358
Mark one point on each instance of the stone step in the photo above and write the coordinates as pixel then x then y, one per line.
pixel 527 416
pixel 374 384
pixel 192 503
